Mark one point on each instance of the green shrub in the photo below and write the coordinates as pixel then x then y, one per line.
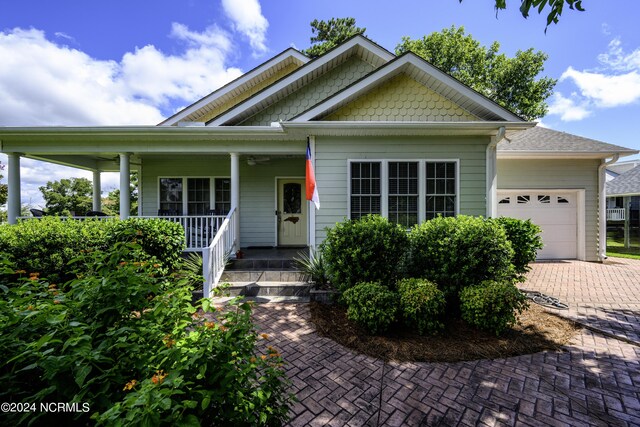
pixel 525 240
pixel 492 306
pixel 365 250
pixel 48 244
pixel 126 340
pixel 157 237
pixel 371 305
pixel 313 267
pixel 421 304
pixel 456 252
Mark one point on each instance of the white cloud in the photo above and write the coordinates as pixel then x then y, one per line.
pixel 43 83
pixel 615 83
pixel 567 108
pixel 248 20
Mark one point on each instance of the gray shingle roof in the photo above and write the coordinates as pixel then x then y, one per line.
pixel 626 183
pixel 539 139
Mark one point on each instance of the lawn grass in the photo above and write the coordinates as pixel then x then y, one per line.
pixel 615 247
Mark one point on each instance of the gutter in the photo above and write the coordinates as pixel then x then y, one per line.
pixel 602 197
pixel 492 173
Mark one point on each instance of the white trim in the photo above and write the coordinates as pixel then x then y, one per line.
pixel 512 154
pixel 299 73
pixel 580 212
pixel 275 217
pixel 422 187
pixel 235 84
pixel 185 190
pixel 391 69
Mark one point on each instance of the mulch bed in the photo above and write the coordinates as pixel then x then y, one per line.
pixel 536 331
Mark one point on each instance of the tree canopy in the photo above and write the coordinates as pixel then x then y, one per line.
pixel 67 196
pixel 329 34
pixel 511 82
pixel 111 203
pixel 555 7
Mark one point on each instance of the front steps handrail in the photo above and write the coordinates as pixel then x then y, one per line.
pixel 215 256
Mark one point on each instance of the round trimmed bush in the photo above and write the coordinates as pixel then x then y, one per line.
pixel 456 252
pixel 371 305
pixel 492 306
pixel 366 250
pixel 421 304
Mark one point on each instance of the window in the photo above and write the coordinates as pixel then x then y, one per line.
pixel 198 199
pixel 562 200
pixel 544 199
pixel 505 201
pixel 522 200
pixel 223 196
pixel 403 193
pixel 365 189
pixel 441 189
pixel 171 195
pixel 194 196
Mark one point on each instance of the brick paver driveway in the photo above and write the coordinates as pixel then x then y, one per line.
pixel 594 381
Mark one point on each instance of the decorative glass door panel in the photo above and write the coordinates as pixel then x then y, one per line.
pixel 291 212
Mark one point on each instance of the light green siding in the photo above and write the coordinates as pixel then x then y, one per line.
pixel 257 188
pixel 558 174
pixel 401 98
pixel 333 153
pixel 312 93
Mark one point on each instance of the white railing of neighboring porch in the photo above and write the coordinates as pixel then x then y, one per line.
pixel 615 214
pixel 214 257
pixel 199 230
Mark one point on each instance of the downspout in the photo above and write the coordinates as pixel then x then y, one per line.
pixel 492 173
pixel 602 198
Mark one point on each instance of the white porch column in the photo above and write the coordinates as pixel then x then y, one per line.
pixel 235 194
pixel 97 191
pixel 125 203
pixel 13 183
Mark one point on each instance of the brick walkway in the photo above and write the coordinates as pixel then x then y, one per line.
pixel 606 297
pixel 595 381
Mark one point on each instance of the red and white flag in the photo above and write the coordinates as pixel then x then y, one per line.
pixel 312 191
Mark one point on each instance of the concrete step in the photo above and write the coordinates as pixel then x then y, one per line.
pixel 260 264
pixel 269 289
pixel 250 276
pixel 264 299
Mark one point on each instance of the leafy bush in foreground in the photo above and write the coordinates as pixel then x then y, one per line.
pixel 366 250
pixel 421 304
pixel 371 305
pixel 125 339
pixel 492 306
pixel 525 240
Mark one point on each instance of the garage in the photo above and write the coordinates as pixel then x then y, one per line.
pixel 556 212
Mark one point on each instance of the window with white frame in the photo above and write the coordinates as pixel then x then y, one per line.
pixel 365 189
pixel 403 193
pixel 441 189
pixel 194 195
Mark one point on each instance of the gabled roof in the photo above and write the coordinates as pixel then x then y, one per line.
pixel 289 58
pixel 625 184
pixel 543 142
pixel 425 73
pixel 356 45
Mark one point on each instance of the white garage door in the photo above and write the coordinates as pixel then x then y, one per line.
pixel 554 212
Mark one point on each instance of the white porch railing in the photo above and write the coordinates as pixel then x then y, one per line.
pixel 199 230
pixel 615 214
pixel 216 255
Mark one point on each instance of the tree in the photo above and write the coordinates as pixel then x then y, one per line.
pixel 555 7
pixel 511 82
pixel 4 190
pixel 329 34
pixel 111 203
pixel 68 196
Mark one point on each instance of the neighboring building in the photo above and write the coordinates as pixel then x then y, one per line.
pixel 389 135
pixel 623 202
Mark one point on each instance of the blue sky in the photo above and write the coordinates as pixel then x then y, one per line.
pixel 133 62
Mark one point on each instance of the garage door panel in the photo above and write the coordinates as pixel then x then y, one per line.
pixel 554 212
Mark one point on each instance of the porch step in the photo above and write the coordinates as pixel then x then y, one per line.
pixel 252 276
pixel 270 289
pixel 265 299
pixel 260 264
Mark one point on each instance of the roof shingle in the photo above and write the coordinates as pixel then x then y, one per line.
pixel 626 183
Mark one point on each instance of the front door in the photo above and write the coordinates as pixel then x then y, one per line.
pixel 292 212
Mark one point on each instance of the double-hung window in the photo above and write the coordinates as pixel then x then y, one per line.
pixel 194 195
pixel 365 189
pixel 441 189
pixel 405 191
